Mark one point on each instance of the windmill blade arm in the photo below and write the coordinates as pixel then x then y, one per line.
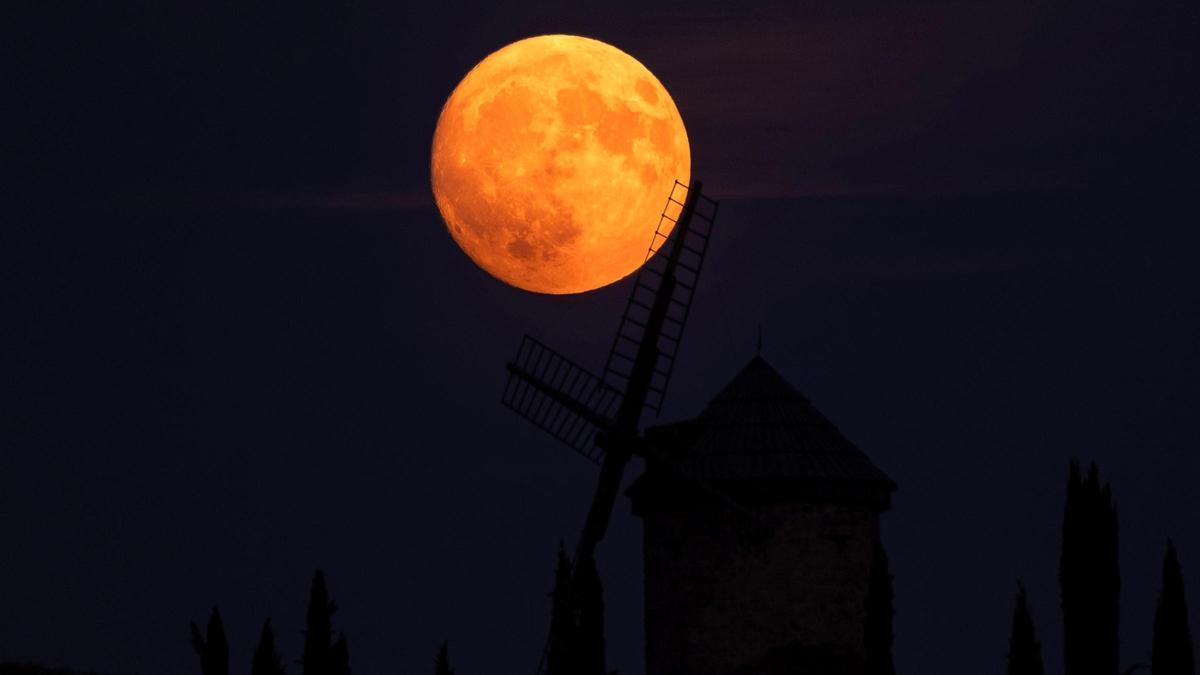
pixel 560 397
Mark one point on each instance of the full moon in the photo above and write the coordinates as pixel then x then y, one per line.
pixel 552 161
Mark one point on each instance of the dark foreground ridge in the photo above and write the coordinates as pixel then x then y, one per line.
pixel 35 669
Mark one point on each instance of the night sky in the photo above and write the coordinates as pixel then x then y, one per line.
pixel 238 343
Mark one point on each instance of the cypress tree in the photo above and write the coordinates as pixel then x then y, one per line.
pixel 1024 650
pixel 266 658
pixel 562 619
pixel 441 664
pixel 1171 653
pixel 199 645
pixel 339 656
pixel 213 649
pixel 1089 576
pixel 320 656
pixel 588 645
pixel 880 612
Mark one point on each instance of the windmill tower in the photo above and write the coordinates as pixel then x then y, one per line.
pixel 798 601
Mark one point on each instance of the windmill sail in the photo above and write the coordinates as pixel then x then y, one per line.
pixel 560 397
pixel 683 264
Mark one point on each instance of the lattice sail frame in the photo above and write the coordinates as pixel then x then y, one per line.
pixel 560 397
pixel 631 329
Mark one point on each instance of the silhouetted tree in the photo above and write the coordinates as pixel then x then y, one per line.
pixel 266 658
pixel 9 668
pixel 1089 576
pixel 212 648
pixel 340 656
pixel 562 619
pixel 1024 650
pixel 1172 650
pixel 588 646
pixel 320 656
pixel 879 616
pixel 441 664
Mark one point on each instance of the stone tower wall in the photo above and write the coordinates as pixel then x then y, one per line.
pixel 715 606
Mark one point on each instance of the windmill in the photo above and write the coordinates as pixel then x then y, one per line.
pixel 598 416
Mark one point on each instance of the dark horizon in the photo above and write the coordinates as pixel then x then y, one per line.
pixel 242 346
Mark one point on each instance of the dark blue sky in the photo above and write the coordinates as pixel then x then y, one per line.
pixel 238 343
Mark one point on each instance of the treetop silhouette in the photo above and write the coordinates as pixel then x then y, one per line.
pixel 441 663
pixel 322 657
pixel 1024 650
pixel 1172 653
pixel 212 648
pixel 1089 576
pixel 266 659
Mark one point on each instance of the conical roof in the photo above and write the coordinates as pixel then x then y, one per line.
pixel 760 427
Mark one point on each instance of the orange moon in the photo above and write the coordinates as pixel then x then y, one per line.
pixel 552 161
